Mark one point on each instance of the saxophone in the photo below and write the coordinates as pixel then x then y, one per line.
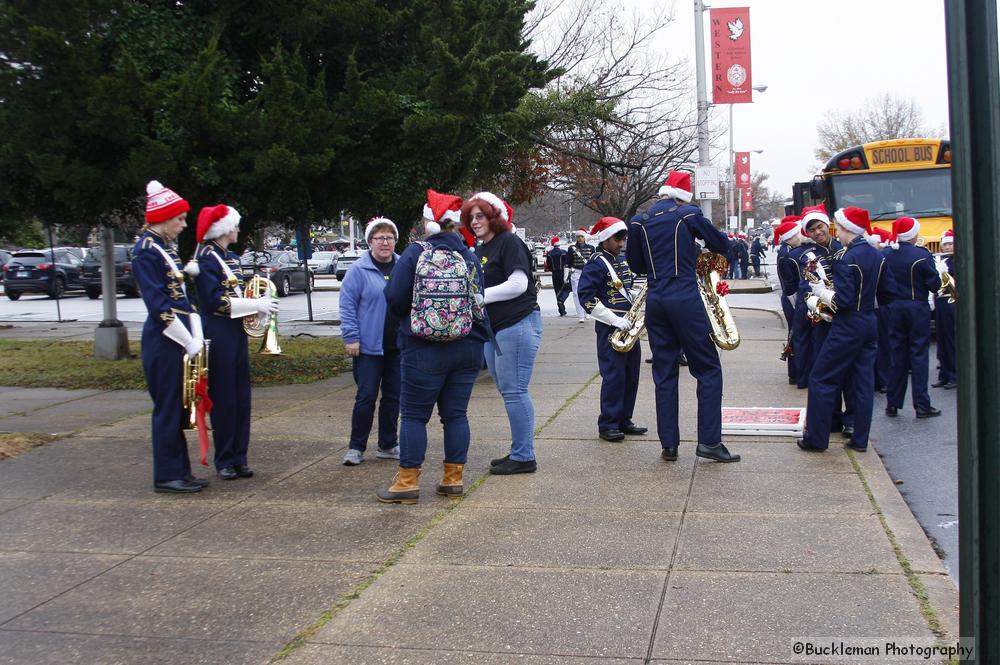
pixel 709 268
pixel 816 274
pixel 623 340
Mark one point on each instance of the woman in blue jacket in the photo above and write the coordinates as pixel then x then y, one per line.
pixel 438 373
pixel 369 334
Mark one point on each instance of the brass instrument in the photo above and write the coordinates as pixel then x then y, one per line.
pixel 710 268
pixel 193 369
pixel 624 340
pixel 822 311
pixel 948 286
pixel 262 325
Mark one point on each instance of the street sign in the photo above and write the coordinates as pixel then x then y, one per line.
pixel 733 222
pixel 706 182
pixel 749 221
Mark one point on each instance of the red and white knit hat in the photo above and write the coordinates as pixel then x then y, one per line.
pixel 607 227
pixel 789 227
pixel 676 186
pixel 904 229
pixel 948 236
pixel 375 221
pixel 441 207
pixel 163 203
pixel 854 220
pixel 814 213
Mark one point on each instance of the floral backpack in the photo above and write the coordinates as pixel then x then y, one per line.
pixel 444 303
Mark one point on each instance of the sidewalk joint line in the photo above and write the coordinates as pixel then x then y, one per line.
pixel 916 585
pixel 670 568
pixel 569 401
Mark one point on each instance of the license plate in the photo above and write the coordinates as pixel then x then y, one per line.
pixel 22 273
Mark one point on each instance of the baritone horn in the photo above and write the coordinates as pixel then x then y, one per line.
pixel 710 268
pixel 262 325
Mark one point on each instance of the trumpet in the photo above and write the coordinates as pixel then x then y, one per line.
pixel 262 325
pixel 195 372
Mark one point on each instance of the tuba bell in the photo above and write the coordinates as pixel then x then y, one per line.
pixel 262 325
pixel 710 268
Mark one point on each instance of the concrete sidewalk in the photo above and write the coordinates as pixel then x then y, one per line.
pixel 606 555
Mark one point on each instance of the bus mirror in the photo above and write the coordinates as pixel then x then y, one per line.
pixel 817 189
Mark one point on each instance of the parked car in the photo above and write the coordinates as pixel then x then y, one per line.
pixel 4 257
pixel 51 271
pixel 124 279
pixel 284 270
pixel 323 262
pixel 345 261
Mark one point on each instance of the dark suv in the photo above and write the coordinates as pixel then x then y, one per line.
pixel 124 279
pixel 42 271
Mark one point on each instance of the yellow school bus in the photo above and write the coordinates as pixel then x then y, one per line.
pixel 890 179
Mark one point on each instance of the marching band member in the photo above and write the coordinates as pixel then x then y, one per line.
pixel 910 317
pixel 661 245
pixel 802 340
pixel 172 329
pixel 578 254
pixel 605 289
pixel 879 239
pixel 555 263
pixel 219 282
pixel 944 321
pixel 849 348
pixel 789 234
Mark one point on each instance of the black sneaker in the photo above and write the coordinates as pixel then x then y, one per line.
pixel 499 460
pixel 512 466
pixel 928 413
pixel 669 454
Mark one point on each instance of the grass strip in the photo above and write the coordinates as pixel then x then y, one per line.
pixel 916 585
pixel 13 444
pixel 569 401
pixel 60 364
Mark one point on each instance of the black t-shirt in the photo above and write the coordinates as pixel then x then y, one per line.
pixel 391 324
pixel 500 257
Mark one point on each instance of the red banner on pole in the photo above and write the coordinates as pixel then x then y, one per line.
pixel 746 197
pixel 742 169
pixel 730 32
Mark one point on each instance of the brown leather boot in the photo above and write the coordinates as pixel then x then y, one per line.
pixel 405 487
pixel 451 483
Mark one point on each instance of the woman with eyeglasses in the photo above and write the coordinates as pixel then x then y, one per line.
pixel 369 333
pixel 512 305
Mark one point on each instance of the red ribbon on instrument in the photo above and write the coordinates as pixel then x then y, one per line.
pixel 722 288
pixel 203 405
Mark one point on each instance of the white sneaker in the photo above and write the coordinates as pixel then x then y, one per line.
pixel 353 457
pixel 391 453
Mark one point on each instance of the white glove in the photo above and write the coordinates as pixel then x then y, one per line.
pixel 812 302
pixel 196 330
pixel 194 346
pixel 826 295
pixel 266 305
pixel 622 323
pixel 817 287
pixel 607 317
pixel 177 332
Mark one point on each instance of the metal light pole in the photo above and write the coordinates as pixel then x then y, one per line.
pixel 704 159
pixel 732 161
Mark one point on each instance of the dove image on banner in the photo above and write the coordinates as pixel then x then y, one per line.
pixel 730 34
pixel 743 169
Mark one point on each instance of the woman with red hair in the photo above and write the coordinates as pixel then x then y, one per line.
pixel 512 304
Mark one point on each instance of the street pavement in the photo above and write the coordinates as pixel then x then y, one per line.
pixel 605 555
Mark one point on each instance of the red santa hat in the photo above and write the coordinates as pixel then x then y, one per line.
pixel 904 229
pixel 607 227
pixel 879 238
pixel 582 232
pixel 948 236
pixel 854 220
pixel 213 222
pixel 440 207
pixel 676 186
pixel 554 241
pixel 374 223
pixel 468 236
pixel 501 206
pixel 789 227
pixel 814 213
pixel 162 203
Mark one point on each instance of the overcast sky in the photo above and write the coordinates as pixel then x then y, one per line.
pixel 816 56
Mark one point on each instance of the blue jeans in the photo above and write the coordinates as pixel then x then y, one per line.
pixel 371 372
pixel 511 370
pixel 441 374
